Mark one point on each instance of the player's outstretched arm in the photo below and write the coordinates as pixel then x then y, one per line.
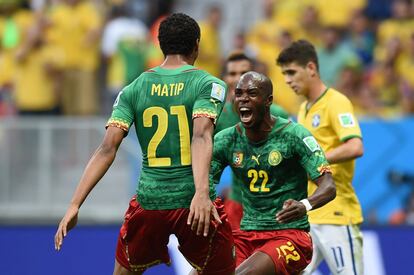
pixel 324 193
pixel 201 207
pixel 94 171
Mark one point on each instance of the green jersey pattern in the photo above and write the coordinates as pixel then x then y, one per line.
pixel 162 104
pixel 270 172
pixel 229 117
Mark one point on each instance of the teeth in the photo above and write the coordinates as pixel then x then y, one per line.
pixel 244 109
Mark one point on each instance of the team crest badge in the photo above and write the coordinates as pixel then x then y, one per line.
pixel 237 159
pixel 275 157
pixel 316 120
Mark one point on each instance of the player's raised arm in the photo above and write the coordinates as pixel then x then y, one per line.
pixel 202 207
pixel 94 171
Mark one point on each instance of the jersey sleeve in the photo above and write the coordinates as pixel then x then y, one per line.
pixel 210 100
pixel 343 120
pixel 219 160
pixel 310 154
pixel 122 112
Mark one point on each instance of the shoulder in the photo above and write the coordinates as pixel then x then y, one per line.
pixel 337 97
pixel 206 77
pixel 227 133
pixel 293 129
pixel 278 111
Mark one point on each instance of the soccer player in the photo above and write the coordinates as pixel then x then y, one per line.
pixel 236 65
pixel 174 107
pixel 272 158
pixel 329 116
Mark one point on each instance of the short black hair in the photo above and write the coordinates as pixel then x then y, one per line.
pixel 301 52
pixel 178 34
pixel 238 56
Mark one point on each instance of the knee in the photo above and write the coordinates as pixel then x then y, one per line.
pixel 248 270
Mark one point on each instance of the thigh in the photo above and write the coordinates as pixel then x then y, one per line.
pixel 341 246
pixel 234 212
pixel 143 239
pixel 290 250
pixel 214 254
pixel 317 258
pixel 243 241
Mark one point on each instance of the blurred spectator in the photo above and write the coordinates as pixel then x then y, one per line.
pixel 400 26
pixel 405 69
pixel 262 36
pixel 283 95
pixel 378 9
pixel 240 44
pixel 36 75
pixel 353 84
pixel 388 90
pixel 337 13
pixel 308 26
pixel 209 55
pixel 286 12
pixel 360 38
pixel 334 55
pixel 76 29
pixel 15 19
pixel 125 48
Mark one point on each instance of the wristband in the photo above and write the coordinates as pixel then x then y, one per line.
pixel 307 204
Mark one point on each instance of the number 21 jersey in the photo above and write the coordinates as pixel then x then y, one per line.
pixel 162 104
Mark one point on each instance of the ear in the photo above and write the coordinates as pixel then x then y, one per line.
pixel 197 45
pixel 269 100
pixel 311 68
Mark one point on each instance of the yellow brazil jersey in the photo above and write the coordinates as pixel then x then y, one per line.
pixel 332 121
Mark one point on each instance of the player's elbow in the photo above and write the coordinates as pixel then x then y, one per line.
pixel 357 147
pixel 359 151
pixel 107 150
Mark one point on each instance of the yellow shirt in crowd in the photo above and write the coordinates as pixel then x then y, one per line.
pixel 69 29
pixel 210 50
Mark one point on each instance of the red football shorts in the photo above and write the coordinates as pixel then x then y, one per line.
pixel 234 212
pixel 290 249
pixel 144 235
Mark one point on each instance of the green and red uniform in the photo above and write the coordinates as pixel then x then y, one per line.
pixel 162 104
pixel 229 117
pixel 269 173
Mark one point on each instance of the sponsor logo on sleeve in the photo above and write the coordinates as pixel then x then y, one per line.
pixel 218 92
pixel 311 143
pixel 346 120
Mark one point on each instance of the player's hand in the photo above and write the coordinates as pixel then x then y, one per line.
pixel 67 223
pixel 201 210
pixel 292 210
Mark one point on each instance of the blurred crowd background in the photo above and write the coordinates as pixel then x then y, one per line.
pixel 70 58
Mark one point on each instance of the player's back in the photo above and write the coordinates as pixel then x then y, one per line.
pixel 164 103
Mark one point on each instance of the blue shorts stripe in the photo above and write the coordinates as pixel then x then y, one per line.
pixel 352 249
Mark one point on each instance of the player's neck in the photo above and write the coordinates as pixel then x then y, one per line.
pixel 173 61
pixel 315 91
pixel 260 133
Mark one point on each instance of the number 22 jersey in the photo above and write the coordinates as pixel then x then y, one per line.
pixel 162 104
pixel 269 172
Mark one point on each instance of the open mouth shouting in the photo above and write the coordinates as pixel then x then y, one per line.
pixel 246 115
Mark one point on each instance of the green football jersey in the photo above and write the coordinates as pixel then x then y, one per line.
pixel 162 104
pixel 269 172
pixel 229 117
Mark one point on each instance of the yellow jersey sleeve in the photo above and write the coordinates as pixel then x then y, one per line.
pixel 343 120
